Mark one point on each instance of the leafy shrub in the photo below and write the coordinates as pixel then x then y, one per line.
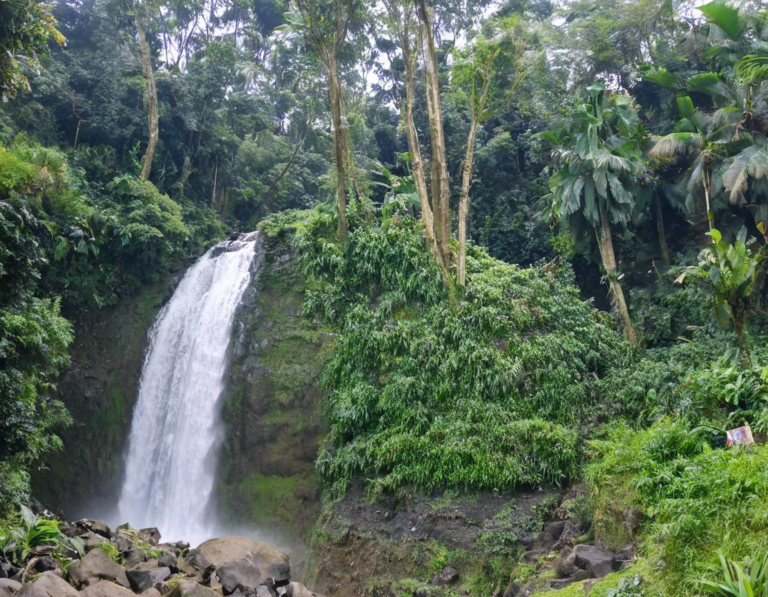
pixel 26 531
pixel 666 487
pixel 474 393
pixel 740 581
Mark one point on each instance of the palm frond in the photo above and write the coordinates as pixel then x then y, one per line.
pixel 752 162
pixel 753 68
pixel 675 144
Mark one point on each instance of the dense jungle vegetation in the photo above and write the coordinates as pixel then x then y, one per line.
pixel 537 228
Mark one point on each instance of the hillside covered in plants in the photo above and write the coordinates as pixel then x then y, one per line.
pixel 451 297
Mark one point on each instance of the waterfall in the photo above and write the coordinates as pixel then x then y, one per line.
pixel 171 458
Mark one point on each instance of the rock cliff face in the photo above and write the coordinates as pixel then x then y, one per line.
pixel 100 391
pixel 272 414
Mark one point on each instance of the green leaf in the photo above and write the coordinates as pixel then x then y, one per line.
pixel 665 79
pixel 724 16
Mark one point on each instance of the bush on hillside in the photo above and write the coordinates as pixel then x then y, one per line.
pixel 487 391
pixel 682 500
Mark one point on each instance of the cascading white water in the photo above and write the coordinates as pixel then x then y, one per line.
pixel 171 461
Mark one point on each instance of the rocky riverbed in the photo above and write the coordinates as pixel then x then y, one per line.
pixel 97 561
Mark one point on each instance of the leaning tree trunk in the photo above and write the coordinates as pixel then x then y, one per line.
pixel 466 179
pixel 605 242
pixel 440 180
pixel 149 79
pixel 338 149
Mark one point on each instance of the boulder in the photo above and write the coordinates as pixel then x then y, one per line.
pixel 227 549
pixel 153 592
pixel 141 580
pixel 48 585
pixel 238 574
pixel 105 588
pixel 135 557
pixel 593 559
pixel 280 573
pixel 299 590
pixel 92 540
pixel 95 526
pixel 189 588
pixel 45 564
pixel 448 576
pixel 12 585
pixel 97 565
pixel 122 542
pixel 169 560
pixel 197 560
pixel 150 535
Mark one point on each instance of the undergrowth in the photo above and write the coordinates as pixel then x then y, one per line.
pixel 491 390
pixel 682 499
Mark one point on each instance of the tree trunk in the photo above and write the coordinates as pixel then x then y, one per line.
pixel 414 148
pixel 334 84
pixel 466 179
pixel 662 234
pixel 710 215
pixel 186 170
pixel 149 78
pixel 440 180
pixel 605 242
pixel 215 179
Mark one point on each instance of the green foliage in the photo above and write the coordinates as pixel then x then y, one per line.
pixel 598 162
pixel 628 587
pixel 740 581
pixel 25 28
pixel 731 271
pixel 426 392
pixel 686 499
pixel 25 531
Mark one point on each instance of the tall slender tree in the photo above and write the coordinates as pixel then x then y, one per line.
pixel 323 25
pixel 488 72
pixel 598 166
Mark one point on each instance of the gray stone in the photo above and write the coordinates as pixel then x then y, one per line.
pixel 227 549
pixel 45 564
pixel 12 585
pixel 105 588
pixel 98 565
pixel 448 576
pixel 280 572
pixel 153 592
pixel 189 588
pixel 141 580
pixel 299 590
pixel 95 526
pixel 150 535
pixel 197 560
pixel 135 557
pixel 593 559
pixel 169 560
pixel 238 574
pixel 91 540
pixel 122 542
pixel 48 585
